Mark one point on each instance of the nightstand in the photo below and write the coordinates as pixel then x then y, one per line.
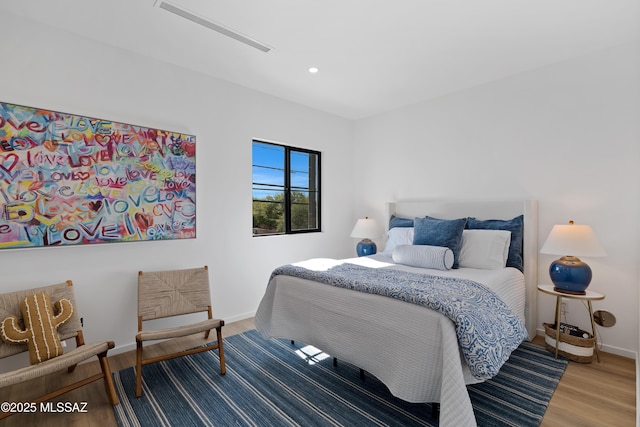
pixel 589 296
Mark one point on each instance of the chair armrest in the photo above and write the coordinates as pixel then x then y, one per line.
pixel 67 359
pixel 179 331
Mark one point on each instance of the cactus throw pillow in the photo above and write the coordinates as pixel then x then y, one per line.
pixel 40 326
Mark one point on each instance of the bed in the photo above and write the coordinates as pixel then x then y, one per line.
pixel 414 350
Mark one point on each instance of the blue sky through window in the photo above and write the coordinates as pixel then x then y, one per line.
pixel 300 170
pixel 268 169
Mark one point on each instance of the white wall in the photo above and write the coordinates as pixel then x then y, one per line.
pixel 50 69
pixel 567 135
pixel 512 138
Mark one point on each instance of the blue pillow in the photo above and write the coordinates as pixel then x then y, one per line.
pixel 515 226
pixel 440 232
pixel 400 222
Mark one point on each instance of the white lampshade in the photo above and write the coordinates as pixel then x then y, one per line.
pixel 573 239
pixel 366 228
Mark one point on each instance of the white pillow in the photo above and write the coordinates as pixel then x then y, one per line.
pixel 424 256
pixel 398 236
pixel 485 249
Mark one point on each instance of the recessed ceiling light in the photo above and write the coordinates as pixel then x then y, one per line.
pixel 313 70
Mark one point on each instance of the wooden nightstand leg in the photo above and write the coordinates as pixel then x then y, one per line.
pixel 558 305
pixel 593 331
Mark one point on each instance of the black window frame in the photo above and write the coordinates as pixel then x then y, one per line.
pixel 288 189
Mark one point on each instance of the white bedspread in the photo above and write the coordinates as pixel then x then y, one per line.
pixel 411 349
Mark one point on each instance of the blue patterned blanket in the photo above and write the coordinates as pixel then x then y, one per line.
pixel 487 329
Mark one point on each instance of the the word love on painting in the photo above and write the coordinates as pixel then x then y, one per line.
pixel 69 180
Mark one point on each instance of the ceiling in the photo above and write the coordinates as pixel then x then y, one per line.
pixel 373 55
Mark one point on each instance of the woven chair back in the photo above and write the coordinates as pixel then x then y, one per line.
pixel 173 292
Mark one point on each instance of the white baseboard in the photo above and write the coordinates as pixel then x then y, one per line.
pixel 122 348
pixel 239 317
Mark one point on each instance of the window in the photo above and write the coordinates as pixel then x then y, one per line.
pixel 286 189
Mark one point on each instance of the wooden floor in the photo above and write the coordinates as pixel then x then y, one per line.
pixel 596 394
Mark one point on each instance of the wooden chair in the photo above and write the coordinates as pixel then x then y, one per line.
pixel 174 293
pixel 10 306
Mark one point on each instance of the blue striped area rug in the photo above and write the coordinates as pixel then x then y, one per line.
pixel 275 383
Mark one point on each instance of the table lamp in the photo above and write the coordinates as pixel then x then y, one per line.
pixel 365 229
pixel 569 274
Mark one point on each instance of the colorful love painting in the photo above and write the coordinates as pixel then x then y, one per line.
pixel 70 180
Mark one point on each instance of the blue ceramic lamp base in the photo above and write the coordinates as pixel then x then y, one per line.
pixel 570 275
pixel 366 247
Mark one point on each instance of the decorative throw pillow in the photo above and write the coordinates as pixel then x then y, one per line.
pixel 398 236
pixel 423 256
pixel 40 323
pixel 440 232
pixel 485 249
pixel 515 226
pixel 396 221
